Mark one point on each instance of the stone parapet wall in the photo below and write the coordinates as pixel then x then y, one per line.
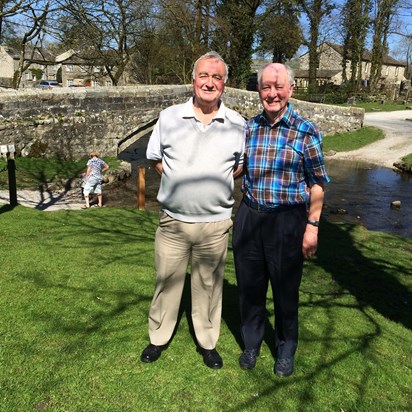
pixel 69 122
pixel 330 119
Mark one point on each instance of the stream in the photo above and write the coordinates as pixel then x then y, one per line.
pixel 365 192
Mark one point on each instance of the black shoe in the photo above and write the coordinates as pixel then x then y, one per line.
pixel 151 353
pixel 284 366
pixel 211 358
pixel 247 359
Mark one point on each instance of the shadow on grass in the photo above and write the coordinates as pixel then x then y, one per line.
pixel 230 310
pixel 371 281
pixel 6 208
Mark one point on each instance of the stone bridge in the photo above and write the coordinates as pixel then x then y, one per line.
pixel 69 122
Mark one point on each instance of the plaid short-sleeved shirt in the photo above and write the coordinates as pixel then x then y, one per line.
pixel 283 160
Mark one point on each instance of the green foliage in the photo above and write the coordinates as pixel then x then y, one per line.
pixel 59 75
pixel 37 73
pixel 279 32
pixel 408 159
pixel 233 37
pixel 343 142
pixel 75 292
pixel 354 26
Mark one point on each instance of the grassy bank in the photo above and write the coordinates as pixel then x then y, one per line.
pixel 75 291
pixel 344 142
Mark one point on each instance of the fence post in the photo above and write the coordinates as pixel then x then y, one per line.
pixel 7 151
pixel 141 188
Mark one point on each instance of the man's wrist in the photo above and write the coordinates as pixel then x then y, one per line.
pixel 313 222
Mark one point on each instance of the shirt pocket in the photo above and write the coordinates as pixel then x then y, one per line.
pixel 287 158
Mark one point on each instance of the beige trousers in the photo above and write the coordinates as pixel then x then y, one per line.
pixel 205 244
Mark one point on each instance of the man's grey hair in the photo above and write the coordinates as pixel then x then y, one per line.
pixel 210 55
pixel 291 74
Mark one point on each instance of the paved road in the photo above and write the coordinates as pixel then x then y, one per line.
pixel 397 143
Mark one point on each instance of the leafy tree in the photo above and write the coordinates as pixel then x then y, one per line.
pixel 315 11
pixel 355 27
pixel 385 10
pixel 235 28
pixel 279 31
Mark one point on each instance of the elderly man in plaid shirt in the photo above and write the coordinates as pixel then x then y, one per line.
pixel 276 226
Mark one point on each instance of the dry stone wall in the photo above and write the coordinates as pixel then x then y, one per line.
pixel 69 122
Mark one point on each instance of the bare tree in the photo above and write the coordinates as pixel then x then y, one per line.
pixel 28 20
pixel 10 9
pixel 184 28
pixel 106 31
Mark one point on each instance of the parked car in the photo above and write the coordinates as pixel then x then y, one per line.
pixel 47 84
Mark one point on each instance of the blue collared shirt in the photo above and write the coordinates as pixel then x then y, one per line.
pixel 282 161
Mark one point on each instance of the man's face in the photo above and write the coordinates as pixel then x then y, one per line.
pixel 209 82
pixel 275 90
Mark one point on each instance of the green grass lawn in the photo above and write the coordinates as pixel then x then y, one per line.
pixel 75 293
pixel 344 142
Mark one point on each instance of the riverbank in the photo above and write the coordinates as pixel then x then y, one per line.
pixel 397 127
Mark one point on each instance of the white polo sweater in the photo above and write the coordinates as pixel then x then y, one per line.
pixel 197 180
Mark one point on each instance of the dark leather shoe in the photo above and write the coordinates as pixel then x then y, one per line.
pixel 211 358
pixel 151 353
pixel 284 366
pixel 248 358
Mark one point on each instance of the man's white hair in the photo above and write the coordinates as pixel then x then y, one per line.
pixel 211 55
pixel 291 73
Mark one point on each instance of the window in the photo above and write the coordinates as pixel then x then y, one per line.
pixel 69 82
pixel 397 71
pixel 366 67
pixel 108 83
pixel 69 68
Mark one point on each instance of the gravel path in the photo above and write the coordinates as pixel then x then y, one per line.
pixel 397 143
pixel 70 200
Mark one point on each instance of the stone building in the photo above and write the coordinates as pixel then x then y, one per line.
pixel 66 68
pixel 43 67
pixel 77 71
pixel 330 68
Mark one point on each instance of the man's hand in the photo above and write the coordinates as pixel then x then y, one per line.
pixel 310 241
pixel 238 172
pixel 157 165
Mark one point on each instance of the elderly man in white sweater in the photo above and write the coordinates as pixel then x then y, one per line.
pixel 197 148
